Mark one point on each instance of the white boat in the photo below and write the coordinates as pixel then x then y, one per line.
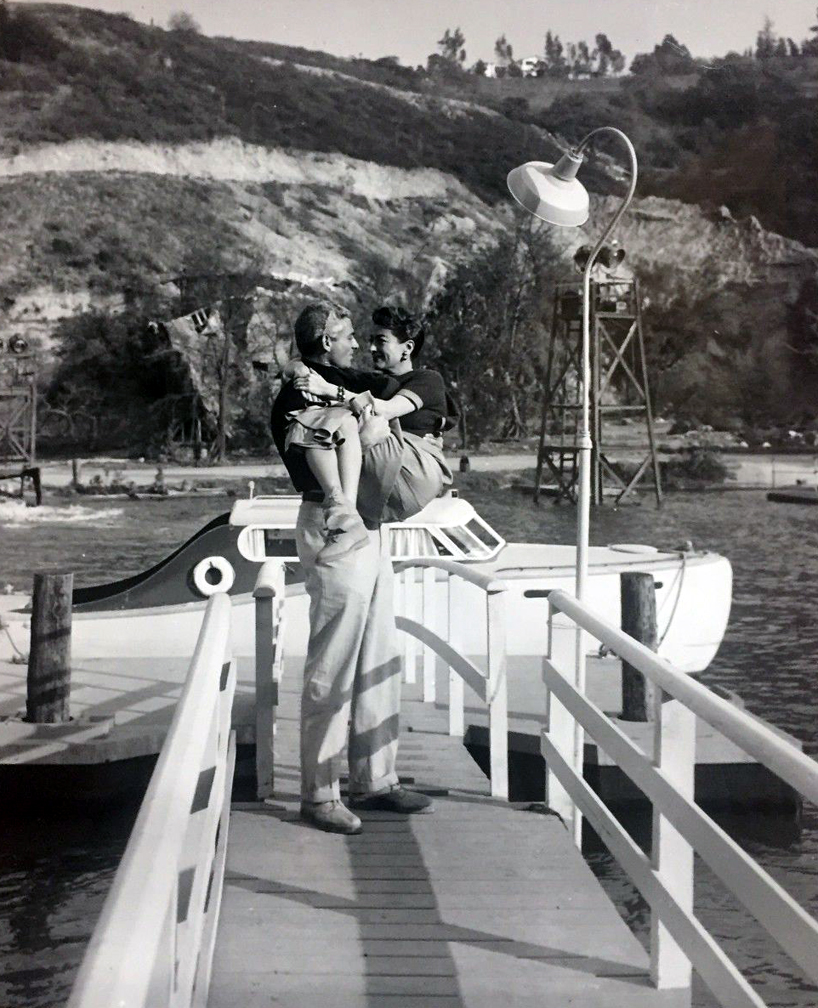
pixel 158 612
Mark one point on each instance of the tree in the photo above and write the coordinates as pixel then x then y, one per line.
pixel 582 60
pixel 810 46
pixel 609 60
pixel 802 326
pixel 181 21
pixel 617 62
pixel 486 332
pixel 668 58
pixel 107 381
pixel 765 41
pixel 503 51
pixel 554 59
pixel 208 281
pixel 479 68
pixel 451 46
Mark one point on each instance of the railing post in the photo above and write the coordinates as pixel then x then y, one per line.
pixel 497 693
pixel 456 636
pixel 431 621
pixel 404 604
pixel 675 755
pixel 563 642
pixel 48 683
pixel 638 594
pixel 268 593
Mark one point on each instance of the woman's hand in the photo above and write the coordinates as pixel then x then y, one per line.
pixel 315 385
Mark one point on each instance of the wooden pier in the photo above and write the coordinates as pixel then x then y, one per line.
pixel 479 902
pixel 483 902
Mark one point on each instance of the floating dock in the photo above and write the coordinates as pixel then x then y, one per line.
pixel 122 710
pixel 477 903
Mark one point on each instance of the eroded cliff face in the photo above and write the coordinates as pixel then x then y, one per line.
pixel 84 219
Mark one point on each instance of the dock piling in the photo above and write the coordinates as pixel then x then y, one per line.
pixel 48 683
pixel 638 594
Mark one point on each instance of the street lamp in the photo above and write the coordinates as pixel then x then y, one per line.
pixel 555 195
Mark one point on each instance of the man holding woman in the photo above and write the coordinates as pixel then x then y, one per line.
pixel 352 673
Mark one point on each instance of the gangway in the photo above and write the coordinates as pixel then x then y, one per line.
pixel 483 902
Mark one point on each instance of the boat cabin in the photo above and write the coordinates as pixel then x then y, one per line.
pixel 447 527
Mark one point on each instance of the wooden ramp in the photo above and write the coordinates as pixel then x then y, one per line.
pixel 478 904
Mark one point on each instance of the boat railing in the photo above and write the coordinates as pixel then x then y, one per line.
pixel 153 942
pixel 441 628
pixel 269 593
pixel 679 941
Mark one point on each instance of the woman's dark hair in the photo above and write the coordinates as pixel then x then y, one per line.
pixel 402 324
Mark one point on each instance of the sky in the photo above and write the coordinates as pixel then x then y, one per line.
pixel 410 29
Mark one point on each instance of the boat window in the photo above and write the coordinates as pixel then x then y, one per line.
pixel 279 543
pixel 467 541
pixel 486 535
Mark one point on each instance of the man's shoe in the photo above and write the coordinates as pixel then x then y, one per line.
pixel 330 816
pixel 395 799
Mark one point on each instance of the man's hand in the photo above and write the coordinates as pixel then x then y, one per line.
pixel 294 369
pixel 314 384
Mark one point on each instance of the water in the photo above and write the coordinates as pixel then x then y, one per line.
pixel 54 875
pixel 54 891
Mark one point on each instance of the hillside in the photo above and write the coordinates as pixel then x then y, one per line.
pixel 110 78
pixel 129 155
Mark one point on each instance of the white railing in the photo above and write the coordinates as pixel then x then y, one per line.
pixel 440 629
pixel 269 594
pixel 153 943
pixel 680 827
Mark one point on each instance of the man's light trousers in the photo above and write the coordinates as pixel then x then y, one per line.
pixel 352 674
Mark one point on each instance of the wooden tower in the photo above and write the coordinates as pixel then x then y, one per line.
pixel 18 403
pixel 619 387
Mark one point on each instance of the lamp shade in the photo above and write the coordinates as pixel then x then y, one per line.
pixel 551 192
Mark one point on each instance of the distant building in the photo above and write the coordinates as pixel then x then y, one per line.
pixel 491 70
pixel 530 65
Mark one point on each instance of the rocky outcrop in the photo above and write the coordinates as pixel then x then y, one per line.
pixel 80 215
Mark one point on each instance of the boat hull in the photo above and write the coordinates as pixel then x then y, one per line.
pixel 693 595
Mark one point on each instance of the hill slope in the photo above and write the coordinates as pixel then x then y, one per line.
pixel 127 154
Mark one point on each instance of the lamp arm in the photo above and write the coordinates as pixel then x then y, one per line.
pixel 628 196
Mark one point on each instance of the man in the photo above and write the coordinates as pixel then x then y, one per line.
pixel 352 673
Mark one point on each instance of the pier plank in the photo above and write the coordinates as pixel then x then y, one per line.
pixel 481 899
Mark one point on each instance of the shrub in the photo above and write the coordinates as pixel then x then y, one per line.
pixel 24 38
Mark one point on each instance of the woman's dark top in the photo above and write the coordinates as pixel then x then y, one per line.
pixel 427 391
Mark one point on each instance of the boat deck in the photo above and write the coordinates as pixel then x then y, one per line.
pixel 479 902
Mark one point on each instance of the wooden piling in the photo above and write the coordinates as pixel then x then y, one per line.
pixel 638 595
pixel 48 683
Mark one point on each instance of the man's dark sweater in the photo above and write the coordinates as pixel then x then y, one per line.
pixel 382 386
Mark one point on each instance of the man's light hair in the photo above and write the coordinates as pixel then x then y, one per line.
pixel 311 325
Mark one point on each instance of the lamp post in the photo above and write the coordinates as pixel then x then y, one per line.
pixel 555 195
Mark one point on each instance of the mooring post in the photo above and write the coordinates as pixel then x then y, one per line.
pixel 638 594
pixel 48 683
pixel 75 474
